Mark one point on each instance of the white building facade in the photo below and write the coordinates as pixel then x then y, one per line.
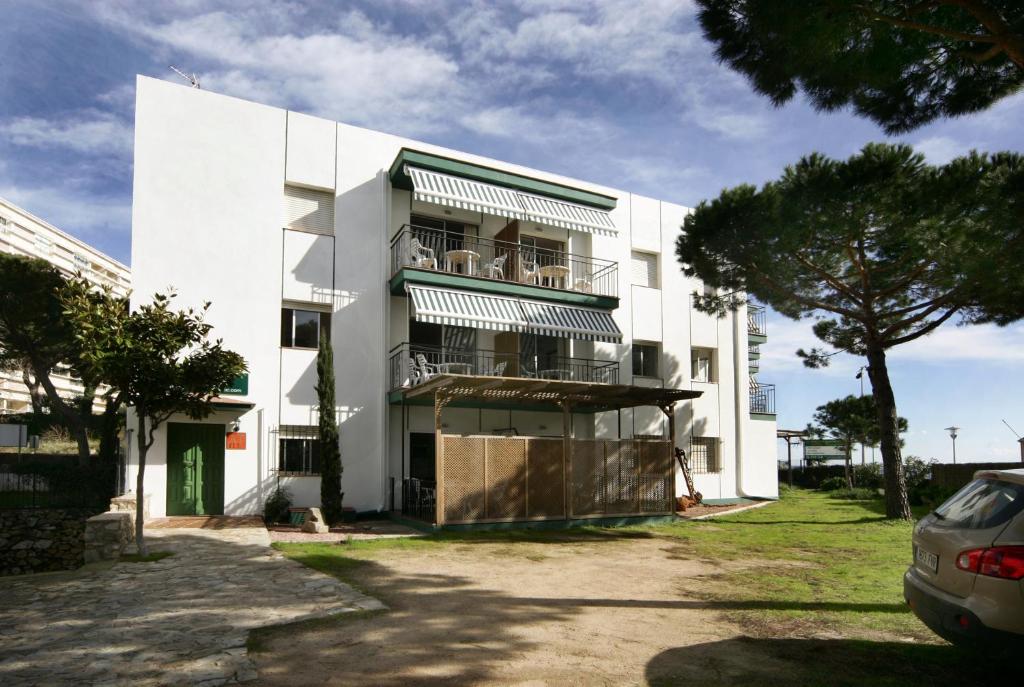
pixel 419 261
pixel 22 233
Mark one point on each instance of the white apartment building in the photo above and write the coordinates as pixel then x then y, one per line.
pixel 22 233
pixel 509 344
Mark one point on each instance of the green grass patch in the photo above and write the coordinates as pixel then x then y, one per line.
pixel 816 561
pixel 150 557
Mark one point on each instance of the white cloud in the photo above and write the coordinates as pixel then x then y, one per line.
pixel 92 132
pixel 77 212
pixel 981 343
pixel 523 124
pixel 941 149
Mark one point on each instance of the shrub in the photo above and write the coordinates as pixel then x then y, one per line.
pixel 857 494
pixel 832 484
pixel 785 490
pixel 868 476
pixel 275 508
pixel 931 495
pixel 916 472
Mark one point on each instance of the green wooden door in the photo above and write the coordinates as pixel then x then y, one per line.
pixel 195 469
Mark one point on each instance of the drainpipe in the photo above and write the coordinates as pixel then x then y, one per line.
pixel 741 387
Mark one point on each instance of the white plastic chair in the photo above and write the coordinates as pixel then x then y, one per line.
pixel 421 255
pixel 499 369
pixel 496 267
pixel 426 370
pixel 529 270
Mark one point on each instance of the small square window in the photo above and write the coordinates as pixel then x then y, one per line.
pixel 299 455
pixel 645 360
pixel 704 457
pixel 702 365
pixel 301 328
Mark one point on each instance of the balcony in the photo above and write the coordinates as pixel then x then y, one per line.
pixel 756 323
pixel 538 272
pixel 762 399
pixel 406 368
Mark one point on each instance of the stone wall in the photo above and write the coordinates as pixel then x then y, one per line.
pixel 41 539
pixel 107 535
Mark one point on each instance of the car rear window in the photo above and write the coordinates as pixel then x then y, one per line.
pixel 982 504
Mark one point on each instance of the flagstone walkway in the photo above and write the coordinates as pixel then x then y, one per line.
pixel 183 620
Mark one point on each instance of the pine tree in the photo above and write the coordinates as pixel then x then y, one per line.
pixel 330 451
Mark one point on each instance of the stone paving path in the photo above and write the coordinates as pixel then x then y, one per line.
pixel 183 620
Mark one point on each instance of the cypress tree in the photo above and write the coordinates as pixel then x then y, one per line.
pixel 330 451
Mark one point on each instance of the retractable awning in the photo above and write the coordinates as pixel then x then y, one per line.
pixel 464 309
pixel 483 311
pixel 457 192
pixel 566 215
pixel 549 319
pixel 443 189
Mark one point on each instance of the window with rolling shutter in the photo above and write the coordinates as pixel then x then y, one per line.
pixel 645 269
pixel 309 210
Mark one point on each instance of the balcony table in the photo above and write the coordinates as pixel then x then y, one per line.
pixel 467 259
pixel 456 368
pixel 550 273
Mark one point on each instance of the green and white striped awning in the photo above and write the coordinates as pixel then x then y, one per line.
pixel 456 192
pixel 586 324
pixel 444 189
pixel 497 313
pixel 464 309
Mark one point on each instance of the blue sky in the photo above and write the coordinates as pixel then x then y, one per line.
pixel 621 92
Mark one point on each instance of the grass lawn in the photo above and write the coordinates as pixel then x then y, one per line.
pixel 805 591
pixel 830 565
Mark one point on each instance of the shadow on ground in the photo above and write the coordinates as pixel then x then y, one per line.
pixel 839 662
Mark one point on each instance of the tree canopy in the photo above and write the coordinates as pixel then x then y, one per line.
pixel 852 418
pixel 901 64
pixel 879 249
pixel 159 360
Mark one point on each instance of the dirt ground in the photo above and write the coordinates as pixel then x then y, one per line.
pixel 587 610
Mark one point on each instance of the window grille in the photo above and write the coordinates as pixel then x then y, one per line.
pixel 704 458
pixel 298 450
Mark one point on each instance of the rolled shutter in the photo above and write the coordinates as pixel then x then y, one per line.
pixel 309 210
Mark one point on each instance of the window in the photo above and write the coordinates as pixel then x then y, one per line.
pixel 301 328
pixel 81 262
pixel 309 210
pixel 982 504
pixel 702 365
pixel 43 245
pixel 298 450
pixel 645 269
pixel 704 455
pixel 645 360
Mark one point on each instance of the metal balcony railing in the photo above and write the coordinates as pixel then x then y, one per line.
pixel 756 319
pixel 411 364
pixel 473 256
pixel 762 398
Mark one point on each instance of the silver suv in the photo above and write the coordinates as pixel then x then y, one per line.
pixel 967 579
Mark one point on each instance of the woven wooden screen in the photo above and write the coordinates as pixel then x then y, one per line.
pixel 545 496
pixel 463 475
pixel 506 478
pixel 515 478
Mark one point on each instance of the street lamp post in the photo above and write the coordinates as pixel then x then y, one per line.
pixel 952 435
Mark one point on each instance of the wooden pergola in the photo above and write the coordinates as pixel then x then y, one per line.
pixel 566 396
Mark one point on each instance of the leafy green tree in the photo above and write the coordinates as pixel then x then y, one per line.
pixel 899 63
pixel 331 495
pixel 35 337
pixel 879 249
pixel 160 361
pixel 853 420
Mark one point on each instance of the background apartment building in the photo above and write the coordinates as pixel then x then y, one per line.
pixel 422 263
pixel 22 233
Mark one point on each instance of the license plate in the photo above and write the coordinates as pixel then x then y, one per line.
pixel 927 559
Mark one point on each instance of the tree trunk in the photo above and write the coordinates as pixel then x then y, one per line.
pixel 140 495
pixel 70 416
pixel 896 503
pixel 35 389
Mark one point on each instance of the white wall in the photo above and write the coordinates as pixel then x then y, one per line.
pixel 308 267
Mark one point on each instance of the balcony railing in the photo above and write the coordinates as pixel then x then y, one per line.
pixel 446 251
pixel 762 398
pixel 756 319
pixel 411 364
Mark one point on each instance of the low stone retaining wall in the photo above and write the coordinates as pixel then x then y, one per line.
pixel 41 539
pixel 107 535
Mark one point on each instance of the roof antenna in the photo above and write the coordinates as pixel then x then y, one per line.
pixel 1011 429
pixel 194 80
